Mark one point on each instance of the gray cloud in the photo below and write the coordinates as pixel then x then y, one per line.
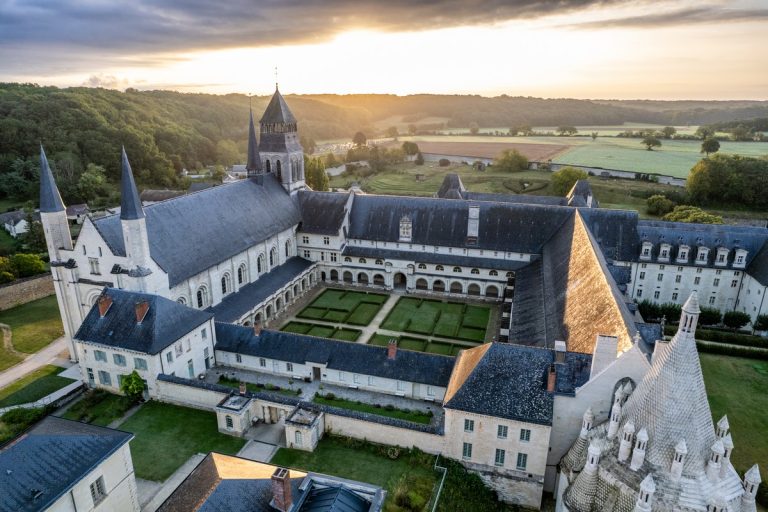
pixel 708 14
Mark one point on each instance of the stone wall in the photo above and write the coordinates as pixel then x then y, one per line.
pixel 383 434
pixel 25 290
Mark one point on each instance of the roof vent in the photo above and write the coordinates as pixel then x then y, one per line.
pixel 142 308
pixel 104 302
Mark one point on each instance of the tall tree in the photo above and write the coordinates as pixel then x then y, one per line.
pixel 567 130
pixel 564 179
pixel 650 142
pixel 359 139
pixel 668 132
pixel 511 160
pixel 709 146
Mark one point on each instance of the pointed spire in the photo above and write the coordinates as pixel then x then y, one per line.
pixel 50 199
pixel 277 110
pixel 692 304
pixel 254 160
pixel 130 204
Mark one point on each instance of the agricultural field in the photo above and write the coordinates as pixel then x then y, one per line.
pixel 536 152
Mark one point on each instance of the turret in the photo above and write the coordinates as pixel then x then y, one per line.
pixel 53 215
pixel 279 147
pixel 135 236
pixel 626 441
pixel 586 422
pixel 613 425
pixel 678 461
pixel 645 498
pixel 726 463
pixel 723 427
pixel 638 454
pixel 689 316
pixel 715 460
pixel 593 458
pixel 751 482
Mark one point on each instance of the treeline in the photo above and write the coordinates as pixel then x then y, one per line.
pixel 742 130
pixel 729 179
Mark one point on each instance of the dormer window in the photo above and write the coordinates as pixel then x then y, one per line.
pixel 722 256
pixel 701 256
pixel 664 251
pixel 645 252
pixel 740 258
pixel 405 229
pixel 682 253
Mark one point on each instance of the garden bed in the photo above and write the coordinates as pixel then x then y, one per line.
pixel 349 307
pixel 99 408
pixel 419 344
pixel 436 318
pixel 322 331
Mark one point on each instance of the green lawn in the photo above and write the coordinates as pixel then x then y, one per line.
pixel 737 387
pixel 34 324
pixel 322 331
pixel 419 344
pixel 432 317
pixel 99 408
pixel 414 416
pixel 168 435
pixel 8 244
pixel 357 308
pixel 34 386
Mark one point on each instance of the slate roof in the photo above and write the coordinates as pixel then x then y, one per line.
pixel 510 381
pixel 254 159
pixel 432 258
pixel 332 499
pixel 165 322
pixel 408 365
pixel 52 457
pixel 235 305
pixel 155 195
pixel 615 232
pixel 502 227
pixel 650 333
pixel 579 195
pixel 515 198
pixel 194 232
pixel 78 209
pixel 50 199
pixel 277 110
pixel 130 204
pixel 16 216
pixel 322 212
pixel 758 265
pixel 452 187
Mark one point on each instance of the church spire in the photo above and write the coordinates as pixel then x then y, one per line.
pixel 50 199
pixel 130 204
pixel 253 165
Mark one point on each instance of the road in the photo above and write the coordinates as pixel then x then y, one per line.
pixel 33 362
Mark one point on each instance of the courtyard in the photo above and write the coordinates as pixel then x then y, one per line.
pixel 420 323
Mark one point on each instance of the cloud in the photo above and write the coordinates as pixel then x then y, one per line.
pixel 696 15
pixel 106 81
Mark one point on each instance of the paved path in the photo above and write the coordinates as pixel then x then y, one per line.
pixel 152 494
pixel 45 356
pixel 73 372
pixel 372 327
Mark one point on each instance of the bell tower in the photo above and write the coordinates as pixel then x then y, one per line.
pixel 279 147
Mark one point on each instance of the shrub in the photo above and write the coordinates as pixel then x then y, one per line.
pixel 511 161
pixel 710 316
pixel 564 179
pixel 25 265
pixel 761 323
pixel 419 159
pixel 132 386
pixel 736 319
pixel 670 311
pixel 659 205
pixel 444 162
pixel 685 213
pixel 330 396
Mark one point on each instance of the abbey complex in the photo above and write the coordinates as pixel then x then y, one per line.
pixel 572 393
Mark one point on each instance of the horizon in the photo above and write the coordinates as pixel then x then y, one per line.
pixel 656 50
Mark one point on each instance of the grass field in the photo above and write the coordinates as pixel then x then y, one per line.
pixel 737 387
pixel 33 325
pixel 34 386
pixel 444 319
pixel 356 308
pixel 420 344
pixel 322 331
pixel 99 408
pixel 414 416
pixel 167 435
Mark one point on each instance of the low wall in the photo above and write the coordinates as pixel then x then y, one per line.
pixel 25 290
pixel 383 434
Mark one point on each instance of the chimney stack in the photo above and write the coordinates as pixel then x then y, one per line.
pixel 560 350
pixel 256 328
pixel 142 308
pixel 242 388
pixel 392 349
pixel 105 301
pixel 551 379
pixel 281 490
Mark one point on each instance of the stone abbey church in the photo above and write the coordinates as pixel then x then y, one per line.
pixel 575 395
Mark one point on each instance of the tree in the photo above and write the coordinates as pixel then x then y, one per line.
pixel 26 265
pixel 34 239
pixel 359 139
pixel 474 128
pixel 710 145
pixel 741 133
pixel 736 319
pixel 659 205
pixel 419 159
pixel 710 316
pixel 411 129
pixel 511 160
pixel 392 132
pixel 567 130
pixel 526 130
pixel 132 386
pixel 594 135
pixel 92 183
pixel 218 173
pixel 650 142
pixel 704 132
pixel 760 323
pixel 668 131
pixel 694 214
pixel 564 179
pixel 443 162
pixel 330 160
pixel 410 148
pixel 309 145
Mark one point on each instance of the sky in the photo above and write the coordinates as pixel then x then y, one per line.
pixel 622 49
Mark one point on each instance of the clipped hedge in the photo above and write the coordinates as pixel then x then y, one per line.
pixel 712 348
pixel 716 336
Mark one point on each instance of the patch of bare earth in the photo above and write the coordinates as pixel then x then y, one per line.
pixel 534 152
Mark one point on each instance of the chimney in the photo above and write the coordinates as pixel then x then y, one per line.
pixel 105 301
pixel 142 308
pixel 256 328
pixel 560 350
pixel 242 388
pixel 392 349
pixel 551 379
pixel 281 490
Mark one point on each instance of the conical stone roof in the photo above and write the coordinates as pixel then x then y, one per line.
pixel 277 111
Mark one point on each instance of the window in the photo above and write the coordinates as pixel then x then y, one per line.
pixel 439 268
pixel 306 254
pixel 334 256
pixel 640 293
pixel 322 255
pixel 660 277
pixel 716 282
pixel 238 358
pixel 347 259
pixel 678 278
pixel 711 300
pixel 204 333
pixel 305 239
pixel 326 240
pixel 289 367
pixel 734 283
pixel 683 255
pixel 202 297
pixel 100 355
pixel 422 266
pixel 642 275
pixel 241 274
pixel 499 459
pixel 298 437
pixel 191 369
pixel 83 250
pixel 178 348
pixel 718 272
pixel 379 262
pixel 721 258
pixel 502 431
pixel 260 264
pixel 674 296
pixel 188 345
pixel 94 264
pixel 525 434
pixel 169 356
pixel 740 259
pixel 406 229
pixel 262 362
pixel 225 284
pixel 474 271
pixel 698 271
pixel 643 265
pixel 370 380
pixel 341 376
pixel 98 491
pixel 493 273
pixel 522 460
pixel 105 378
pixel 230 423
pixel 430 391
pixel 400 385
pixel 466 451
pixel 119 359
pixel 355 378
pixel 646 251
pixel 469 425
pixel 656 294
pixel 457 270
pixel 696 280
pixel 362 260
pixel 273 257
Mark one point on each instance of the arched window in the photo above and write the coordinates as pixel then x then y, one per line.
pixel 379 262
pixel 226 287
pixel 457 270
pixel 230 423
pixel 279 170
pixel 493 273
pixel 474 271
pixel 287 248
pixel 510 274
pixel 422 266
pixel 260 264
pixel 273 257
pixel 362 260
pixel 182 300
pixel 202 297
pixel 439 268
pixel 347 260
pixel 269 165
pixel 241 274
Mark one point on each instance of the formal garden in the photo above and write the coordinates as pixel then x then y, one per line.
pixel 346 307
pixel 443 319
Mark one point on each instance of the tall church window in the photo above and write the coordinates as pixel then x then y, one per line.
pixel 202 297
pixel 272 257
pixel 287 248
pixel 241 274
pixel 260 264
pixel 269 166
pixel 279 171
pixel 225 284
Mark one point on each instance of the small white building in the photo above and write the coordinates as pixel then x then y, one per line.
pixel 63 465
pixel 16 223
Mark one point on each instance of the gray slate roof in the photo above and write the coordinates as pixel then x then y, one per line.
pixel 237 304
pixel 50 199
pixel 165 322
pixel 331 499
pixel 758 265
pixel 322 212
pixel 277 110
pixel 510 381
pixel 130 204
pixel 52 457
pixel 515 198
pixel 16 216
pixel 192 233
pixel 336 355
pixel 433 258
pixel 254 160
